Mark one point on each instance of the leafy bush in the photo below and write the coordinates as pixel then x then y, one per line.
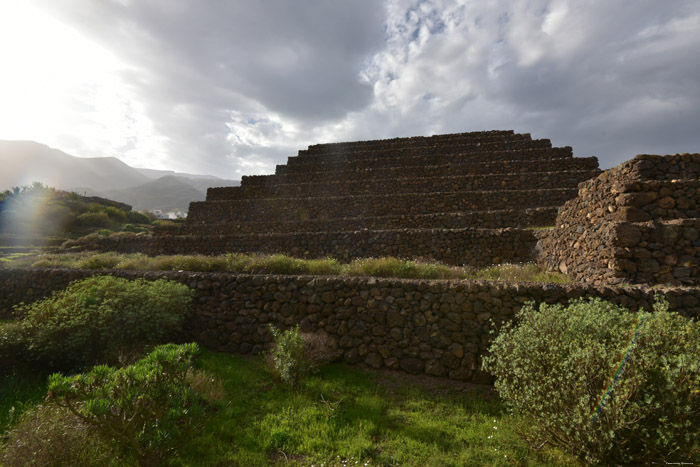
pixel 50 435
pixel 115 214
pixel 603 383
pixel 137 218
pixel 101 261
pixel 94 219
pixel 143 409
pixel 98 317
pixel 13 346
pixel 296 354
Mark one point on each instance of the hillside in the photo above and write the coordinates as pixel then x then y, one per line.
pixel 167 193
pixel 26 162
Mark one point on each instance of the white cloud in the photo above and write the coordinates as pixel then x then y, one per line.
pixel 230 88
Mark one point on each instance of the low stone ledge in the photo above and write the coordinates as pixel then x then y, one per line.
pixel 291 209
pixel 439 328
pixel 454 169
pixel 521 218
pixel 473 247
pixel 489 182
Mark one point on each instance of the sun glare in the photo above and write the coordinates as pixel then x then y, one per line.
pixel 59 88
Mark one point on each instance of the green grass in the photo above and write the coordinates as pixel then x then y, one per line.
pixel 343 414
pixel 282 264
pixel 18 392
pixel 338 416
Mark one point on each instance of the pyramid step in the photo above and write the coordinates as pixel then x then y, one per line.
pixel 321 164
pixel 473 247
pixel 483 153
pixel 520 141
pixel 521 218
pixel 288 209
pixel 536 180
pixel 418 141
pixel 453 169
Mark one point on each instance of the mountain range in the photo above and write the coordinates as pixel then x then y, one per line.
pixel 25 162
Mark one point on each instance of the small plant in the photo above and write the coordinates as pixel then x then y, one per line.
pixel 605 384
pixel 296 355
pixel 51 435
pixel 99 317
pixel 143 409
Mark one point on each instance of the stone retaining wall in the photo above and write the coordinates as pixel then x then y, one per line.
pixel 553 165
pixel 634 223
pixel 476 155
pixel 439 328
pixel 385 186
pixel 292 209
pixel 339 164
pixel 417 148
pixel 538 217
pixel 473 247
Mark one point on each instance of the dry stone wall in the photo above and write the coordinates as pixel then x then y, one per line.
pixel 439 328
pixel 291 209
pixel 472 247
pixel 637 222
pixel 386 186
pixel 449 220
pixel 416 171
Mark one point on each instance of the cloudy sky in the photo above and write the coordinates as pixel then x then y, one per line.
pixel 233 87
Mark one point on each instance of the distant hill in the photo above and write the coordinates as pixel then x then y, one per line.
pixel 25 162
pixel 169 193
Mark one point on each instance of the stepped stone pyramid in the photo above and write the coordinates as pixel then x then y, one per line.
pixel 458 198
pixel 638 222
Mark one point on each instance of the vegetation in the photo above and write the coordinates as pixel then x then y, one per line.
pixel 93 320
pixel 282 264
pixel 297 355
pixel 336 417
pixel 143 409
pixel 39 210
pixel 603 383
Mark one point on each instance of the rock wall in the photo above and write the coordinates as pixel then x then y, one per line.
pixel 454 169
pixel 292 209
pixel 387 186
pixel 447 220
pixel 439 328
pixel 637 222
pixel 472 247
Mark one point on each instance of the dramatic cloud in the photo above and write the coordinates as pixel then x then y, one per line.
pixel 230 88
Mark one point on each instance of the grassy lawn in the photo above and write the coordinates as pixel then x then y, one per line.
pixel 344 416
pixel 282 264
pixel 340 416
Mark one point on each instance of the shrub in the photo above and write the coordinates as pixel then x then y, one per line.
pixel 296 355
pixel 98 317
pixel 143 409
pixel 603 383
pixel 94 219
pixel 137 218
pixel 51 435
pixel 100 261
pixel 13 346
pixel 115 214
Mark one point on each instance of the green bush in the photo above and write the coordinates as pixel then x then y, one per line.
pixel 13 346
pixel 603 383
pixel 49 435
pixel 99 317
pixel 116 215
pixel 143 409
pixel 94 219
pixel 296 354
pixel 137 218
